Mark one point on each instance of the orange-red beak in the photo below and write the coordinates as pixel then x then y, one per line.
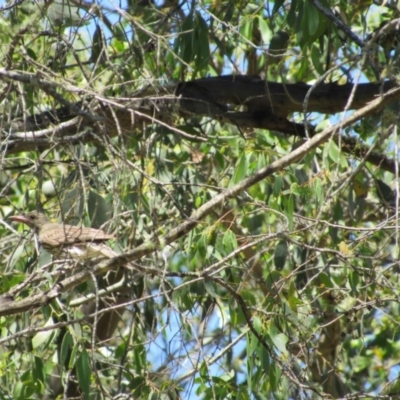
pixel 20 218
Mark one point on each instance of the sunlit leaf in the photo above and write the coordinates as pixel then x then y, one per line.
pixel 43 337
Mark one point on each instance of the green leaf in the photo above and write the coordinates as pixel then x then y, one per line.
pixel 385 193
pixel 354 279
pixel 261 161
pixel 66 347
pixel 316 60
pixel 211 289
pixel 229 241
pixel 274 377
pixel 98 48
pixel 252 344
pixel 249 297
pixel 84 373
pixel 319 191
pixel 31 53
pixel 241 170
pixel 277 186
pixel 322 125
pixel 289 208
pixel 184 42
pixel 246 30
pixel 333 151
pixel 265 361
pixel 337 211
pixel 43 337
pixel 292 16
pixel 227 376
pixel 310 19
pixel 201 43
pixel 38 373
pixel 18 391
pixel 202 245
pixel 360 208
pixel 280 254
pixel 99 210
pixel 277 47
pixel 74 355
pixel 272 279
pixel 264 30
pixel 279 339
pixel 325 280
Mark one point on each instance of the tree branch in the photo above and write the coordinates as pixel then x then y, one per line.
pixel 8 306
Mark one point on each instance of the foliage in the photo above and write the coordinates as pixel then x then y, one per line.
pixel 286 290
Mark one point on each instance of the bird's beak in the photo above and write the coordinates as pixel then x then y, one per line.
pixel 20 218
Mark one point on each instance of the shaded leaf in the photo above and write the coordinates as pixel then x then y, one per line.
pixel 280 254
pixel 84 373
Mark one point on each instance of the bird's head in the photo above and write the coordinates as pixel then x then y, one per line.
pixel 34 219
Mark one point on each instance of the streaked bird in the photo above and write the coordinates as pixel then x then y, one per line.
pixel 68 241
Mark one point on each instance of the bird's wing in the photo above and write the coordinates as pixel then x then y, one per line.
pixel 90 251
pixel 74 234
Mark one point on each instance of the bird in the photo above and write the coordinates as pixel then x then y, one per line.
pixel 68 241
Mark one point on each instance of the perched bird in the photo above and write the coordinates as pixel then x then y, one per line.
pixel 67 241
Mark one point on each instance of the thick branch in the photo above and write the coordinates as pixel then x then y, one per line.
pixel 245 101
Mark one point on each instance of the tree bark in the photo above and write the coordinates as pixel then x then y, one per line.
pixel 245 101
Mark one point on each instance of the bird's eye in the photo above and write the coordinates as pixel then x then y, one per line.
pixel 32 217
